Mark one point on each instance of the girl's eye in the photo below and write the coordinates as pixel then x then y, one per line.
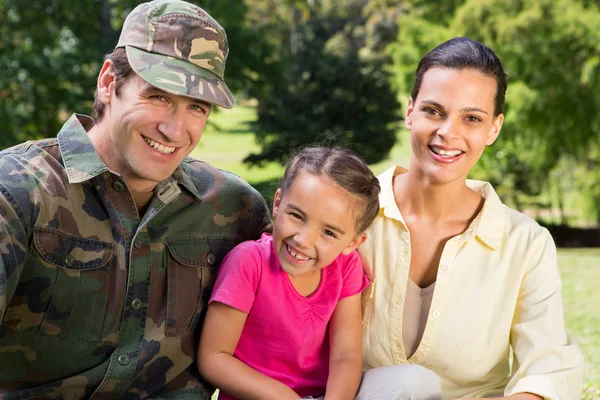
pixel 473 119
pixel 330 233
pixel 296 215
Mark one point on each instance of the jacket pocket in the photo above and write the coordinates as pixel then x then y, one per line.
pixel 192 263
pixel 78 268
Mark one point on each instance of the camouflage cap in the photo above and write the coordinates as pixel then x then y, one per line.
pixel 178 47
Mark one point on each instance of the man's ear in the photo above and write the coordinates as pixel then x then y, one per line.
pixel 276 202
pixel 106 82
pixel 355 243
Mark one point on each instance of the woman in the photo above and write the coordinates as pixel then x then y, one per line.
pixel 459 278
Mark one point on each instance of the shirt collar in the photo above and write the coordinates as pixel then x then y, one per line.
pixel 387 202
pixel 81 160
pixel 488 225
pixel 83 163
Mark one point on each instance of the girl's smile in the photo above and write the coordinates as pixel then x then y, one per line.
pixel 308 234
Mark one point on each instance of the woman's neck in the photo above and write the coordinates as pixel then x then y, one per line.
pixel 418 197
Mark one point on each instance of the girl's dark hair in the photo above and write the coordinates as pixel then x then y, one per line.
pixel 343 167
pixel 122 70
pixel 464 53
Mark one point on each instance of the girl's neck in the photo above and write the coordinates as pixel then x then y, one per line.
pixel 308 283
pixel 418 197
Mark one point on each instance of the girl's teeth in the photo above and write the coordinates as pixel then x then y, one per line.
pixel 161 148
pixel 296 255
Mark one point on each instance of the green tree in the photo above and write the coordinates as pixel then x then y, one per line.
pixel 327 91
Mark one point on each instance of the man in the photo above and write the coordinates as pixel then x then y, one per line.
pixel 110 237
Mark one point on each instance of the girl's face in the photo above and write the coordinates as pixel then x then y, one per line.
pixel 451 121
pixel 315 221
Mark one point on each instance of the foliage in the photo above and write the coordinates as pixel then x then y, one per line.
pixel 327 92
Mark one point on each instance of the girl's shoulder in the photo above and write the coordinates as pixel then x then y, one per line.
pixel 259 247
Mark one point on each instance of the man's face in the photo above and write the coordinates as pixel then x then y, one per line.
pixel 148 132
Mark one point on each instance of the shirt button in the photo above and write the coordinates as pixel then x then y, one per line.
pixel 137 245
pixel 136 304
pixel 211 258
pixel 436 314
pixel 69 261
pixel 123 359
pixel 444 267
pixel 398 298
pixel 118 186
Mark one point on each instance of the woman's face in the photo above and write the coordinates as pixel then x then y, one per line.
pixel 451 121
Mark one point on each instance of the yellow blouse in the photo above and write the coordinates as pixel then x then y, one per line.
pixel 498 290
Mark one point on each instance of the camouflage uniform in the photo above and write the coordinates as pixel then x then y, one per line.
pixel 93 300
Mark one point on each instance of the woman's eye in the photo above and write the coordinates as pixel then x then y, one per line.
pixel 431 111
pixel 473 119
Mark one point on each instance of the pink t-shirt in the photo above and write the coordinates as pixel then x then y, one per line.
pixel 286 335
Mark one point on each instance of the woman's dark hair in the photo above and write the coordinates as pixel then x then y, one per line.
pixel 464 53
pixel 122 70
pixel 343 167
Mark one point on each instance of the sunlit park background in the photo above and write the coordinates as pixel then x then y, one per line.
pixel 339 71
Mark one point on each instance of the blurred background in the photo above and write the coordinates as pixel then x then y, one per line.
pixel 340 72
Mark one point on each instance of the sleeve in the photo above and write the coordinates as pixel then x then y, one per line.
pixel 238 277
pixel 547 361
pixel 354 279
pixel 261 217
pixel 13 249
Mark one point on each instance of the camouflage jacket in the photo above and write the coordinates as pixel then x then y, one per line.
pixel 94 302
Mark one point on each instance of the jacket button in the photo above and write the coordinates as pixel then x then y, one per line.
pixel 211 259
pixel 136 304
pixel 118 186
pixel 123 359
pixel 69 261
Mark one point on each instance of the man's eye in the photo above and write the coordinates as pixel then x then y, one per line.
pixel 159 97
pixel 198 108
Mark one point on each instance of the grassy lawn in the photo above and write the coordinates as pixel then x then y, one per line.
pixel 228 139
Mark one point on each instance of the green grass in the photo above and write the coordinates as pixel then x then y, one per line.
pixel 228 139
pixel 580 271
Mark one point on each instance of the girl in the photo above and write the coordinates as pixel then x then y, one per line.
pixel 284 319
pixel 463 278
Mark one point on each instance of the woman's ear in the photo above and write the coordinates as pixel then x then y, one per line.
pixel 409 111
pixel 495 131
pixel 276 203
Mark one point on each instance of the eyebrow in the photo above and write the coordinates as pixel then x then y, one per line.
pixel 464 110
pixel 328 226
